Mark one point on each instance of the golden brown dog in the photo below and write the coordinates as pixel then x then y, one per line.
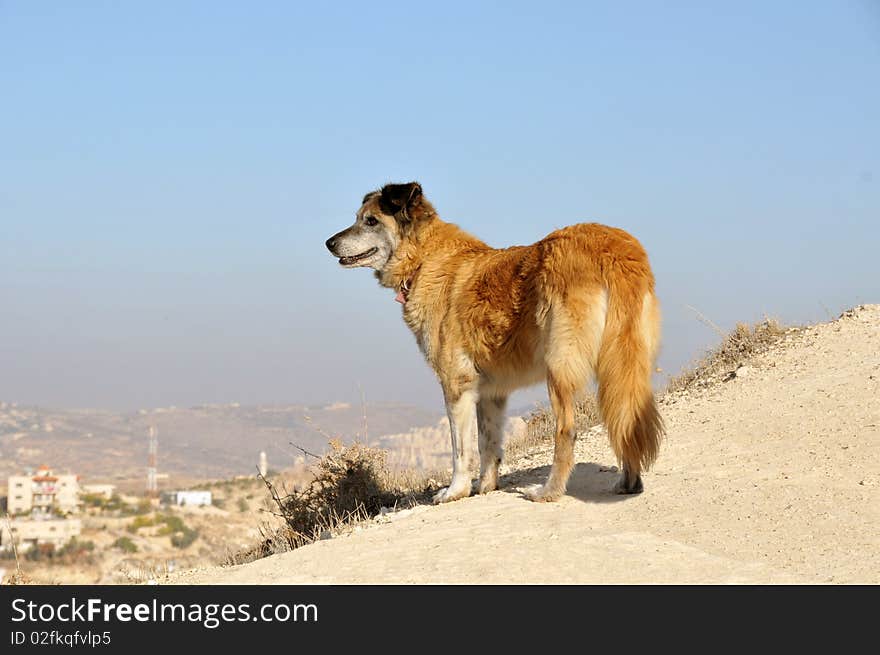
pixel 577 305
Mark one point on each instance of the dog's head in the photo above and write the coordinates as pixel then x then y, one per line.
pixel 386 218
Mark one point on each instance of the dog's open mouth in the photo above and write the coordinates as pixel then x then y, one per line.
pixel 354 259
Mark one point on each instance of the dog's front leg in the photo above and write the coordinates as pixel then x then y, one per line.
pixel 490 425
pixel 460 407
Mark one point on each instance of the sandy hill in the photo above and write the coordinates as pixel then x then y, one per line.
pixel 770 476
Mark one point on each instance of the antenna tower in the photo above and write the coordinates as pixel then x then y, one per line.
pixel 152 487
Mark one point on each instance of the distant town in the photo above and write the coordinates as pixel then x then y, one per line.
pixel 42 508
pixel 92 498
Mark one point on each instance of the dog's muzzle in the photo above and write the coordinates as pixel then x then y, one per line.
pixel 347 260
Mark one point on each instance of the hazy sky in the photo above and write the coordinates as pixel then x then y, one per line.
pixel 169 172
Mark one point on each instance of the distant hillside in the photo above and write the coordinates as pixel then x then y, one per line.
pixel 203 442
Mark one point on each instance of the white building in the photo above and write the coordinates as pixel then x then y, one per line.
pixel 101 490
pixel 27 533
pixel 42 494
pixel 188 498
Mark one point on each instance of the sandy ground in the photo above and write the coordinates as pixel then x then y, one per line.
pixel 770 477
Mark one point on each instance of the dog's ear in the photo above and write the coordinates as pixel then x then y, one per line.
pixel 397 198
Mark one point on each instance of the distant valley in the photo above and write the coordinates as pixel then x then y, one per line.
pixel 195 443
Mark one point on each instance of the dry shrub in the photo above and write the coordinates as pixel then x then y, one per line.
pixel 350 484
pixel 18 578
pixel 744 342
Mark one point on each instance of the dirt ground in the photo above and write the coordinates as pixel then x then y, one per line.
pixel 769 477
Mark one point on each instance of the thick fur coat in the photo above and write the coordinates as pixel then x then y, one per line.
pixel 575 306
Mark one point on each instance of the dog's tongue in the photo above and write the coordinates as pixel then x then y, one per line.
pixel 400 297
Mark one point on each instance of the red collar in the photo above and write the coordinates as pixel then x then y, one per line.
pixel 403 292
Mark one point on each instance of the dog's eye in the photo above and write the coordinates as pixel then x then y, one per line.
pixel 371 221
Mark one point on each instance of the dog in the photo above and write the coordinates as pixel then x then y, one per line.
pixel 577 306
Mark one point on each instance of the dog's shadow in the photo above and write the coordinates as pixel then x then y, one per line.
pixel 589 482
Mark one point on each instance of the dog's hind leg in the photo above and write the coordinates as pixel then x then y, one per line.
pixel 574 333
pixel 562 398
pixel 490 423
pixel 460 408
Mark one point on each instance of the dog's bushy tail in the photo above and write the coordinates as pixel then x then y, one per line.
pixel 624 368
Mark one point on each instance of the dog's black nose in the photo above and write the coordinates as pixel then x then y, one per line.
pixel 331 243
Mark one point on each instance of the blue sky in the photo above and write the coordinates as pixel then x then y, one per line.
pixel 170 170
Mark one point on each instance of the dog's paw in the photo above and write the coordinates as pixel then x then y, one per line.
pixel 624 486
pixel 541 494
pixel 448 494
pixel 487 484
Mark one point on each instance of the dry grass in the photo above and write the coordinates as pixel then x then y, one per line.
pixel 349 485
pixel 743 343
pixel 541 424
pixel 18 577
